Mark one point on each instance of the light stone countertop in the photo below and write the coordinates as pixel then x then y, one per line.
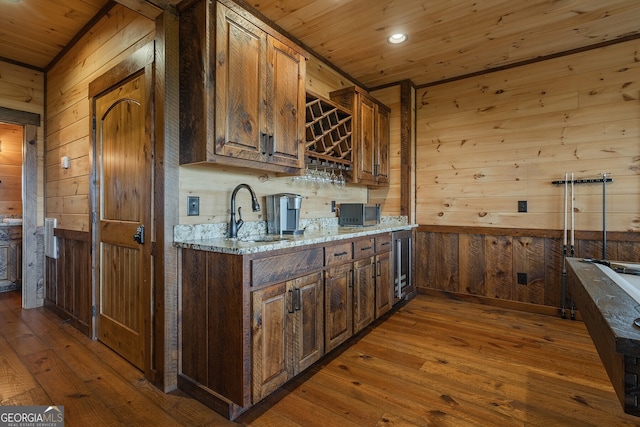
pixel 250 244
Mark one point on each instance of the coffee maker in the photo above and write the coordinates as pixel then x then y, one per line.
pixel 283 214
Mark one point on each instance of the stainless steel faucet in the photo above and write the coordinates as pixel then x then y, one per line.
pixel 234 225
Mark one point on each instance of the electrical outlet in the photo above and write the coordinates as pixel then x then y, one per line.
pixel 193 205
pixel 522 205
pixel 522 278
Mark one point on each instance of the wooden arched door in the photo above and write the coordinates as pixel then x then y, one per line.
pixel 123 218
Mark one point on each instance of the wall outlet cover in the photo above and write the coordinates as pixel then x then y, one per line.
pixel 522 206
pixel 522 278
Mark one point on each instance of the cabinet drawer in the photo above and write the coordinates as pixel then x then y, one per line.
pixel 335 254
pixel 283 267
pixel 383 243
pixel 364 247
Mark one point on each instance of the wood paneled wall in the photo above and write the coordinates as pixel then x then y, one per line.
pixel 68 290
pixel 118 34
pixel 11 139
pixel 485 261
pixel 22 89
pixel 486 142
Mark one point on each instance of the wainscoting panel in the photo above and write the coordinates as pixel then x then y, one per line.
pixel 517 267
pixel 68 279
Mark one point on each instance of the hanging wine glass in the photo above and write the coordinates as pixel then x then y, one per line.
pixel 333 177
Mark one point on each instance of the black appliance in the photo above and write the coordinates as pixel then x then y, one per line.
pixel 358 214
pixel 402 253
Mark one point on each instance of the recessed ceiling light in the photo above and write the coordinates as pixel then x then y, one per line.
pixel 397 38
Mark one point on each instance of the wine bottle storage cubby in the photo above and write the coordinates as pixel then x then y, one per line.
pixel 328 132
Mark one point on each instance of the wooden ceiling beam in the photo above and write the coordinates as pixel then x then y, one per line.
pixel 145 8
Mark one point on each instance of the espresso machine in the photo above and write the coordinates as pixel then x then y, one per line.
pixel 283 214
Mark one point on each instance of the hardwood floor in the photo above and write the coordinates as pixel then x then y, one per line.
pixel 434 362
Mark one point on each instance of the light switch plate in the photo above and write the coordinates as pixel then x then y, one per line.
pixel 193 205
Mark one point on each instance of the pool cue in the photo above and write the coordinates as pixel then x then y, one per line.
pixel 563 310
pixel 573 239
pixel 604 216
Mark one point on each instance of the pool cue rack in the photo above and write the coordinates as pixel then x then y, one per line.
pixel 603 180
pixel 583 181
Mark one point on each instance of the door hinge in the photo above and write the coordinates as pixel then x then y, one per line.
pixel 94 217
pixel 94 311
pixel 93 123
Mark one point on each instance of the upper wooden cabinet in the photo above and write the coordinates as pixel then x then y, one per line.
pixel 242 94
pixel 370 135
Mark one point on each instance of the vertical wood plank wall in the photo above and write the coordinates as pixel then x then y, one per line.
pixel 486 142
pixel 68 290
pixel 484 262
pixel 118 34
pixel 22 89
pixel 11 139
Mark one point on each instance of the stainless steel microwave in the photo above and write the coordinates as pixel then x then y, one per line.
pixel 358 214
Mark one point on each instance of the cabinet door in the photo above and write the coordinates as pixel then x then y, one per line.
pixel 240 83
pixel 383 146
pixel 308 324
pixel 284 113
pixel 338 317
pixel 364 274
pixel 366 154
pixel 271 357
pixel 384 283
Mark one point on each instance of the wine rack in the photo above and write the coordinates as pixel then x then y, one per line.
pixel 328 133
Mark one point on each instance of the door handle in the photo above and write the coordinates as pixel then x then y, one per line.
pixel 139 236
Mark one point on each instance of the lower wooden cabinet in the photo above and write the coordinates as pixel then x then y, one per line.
pixel 249 323
pixel 338 314
pixel 384 283
pixel 364 292
pixel 287 331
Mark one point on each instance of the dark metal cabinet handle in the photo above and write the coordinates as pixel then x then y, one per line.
pixel 298 299
pixel 264 140
pixel 293 308
pixel 366 248
pixel 340 253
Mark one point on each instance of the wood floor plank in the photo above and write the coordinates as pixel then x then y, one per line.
pixel 434 362
pixel 65 388
pixel 15 377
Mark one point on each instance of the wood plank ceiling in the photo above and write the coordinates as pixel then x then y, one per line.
pixel 447 38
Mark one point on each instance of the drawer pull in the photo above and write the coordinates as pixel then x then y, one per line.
pixel 385 243
pixel 340 253
pixel 368 248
